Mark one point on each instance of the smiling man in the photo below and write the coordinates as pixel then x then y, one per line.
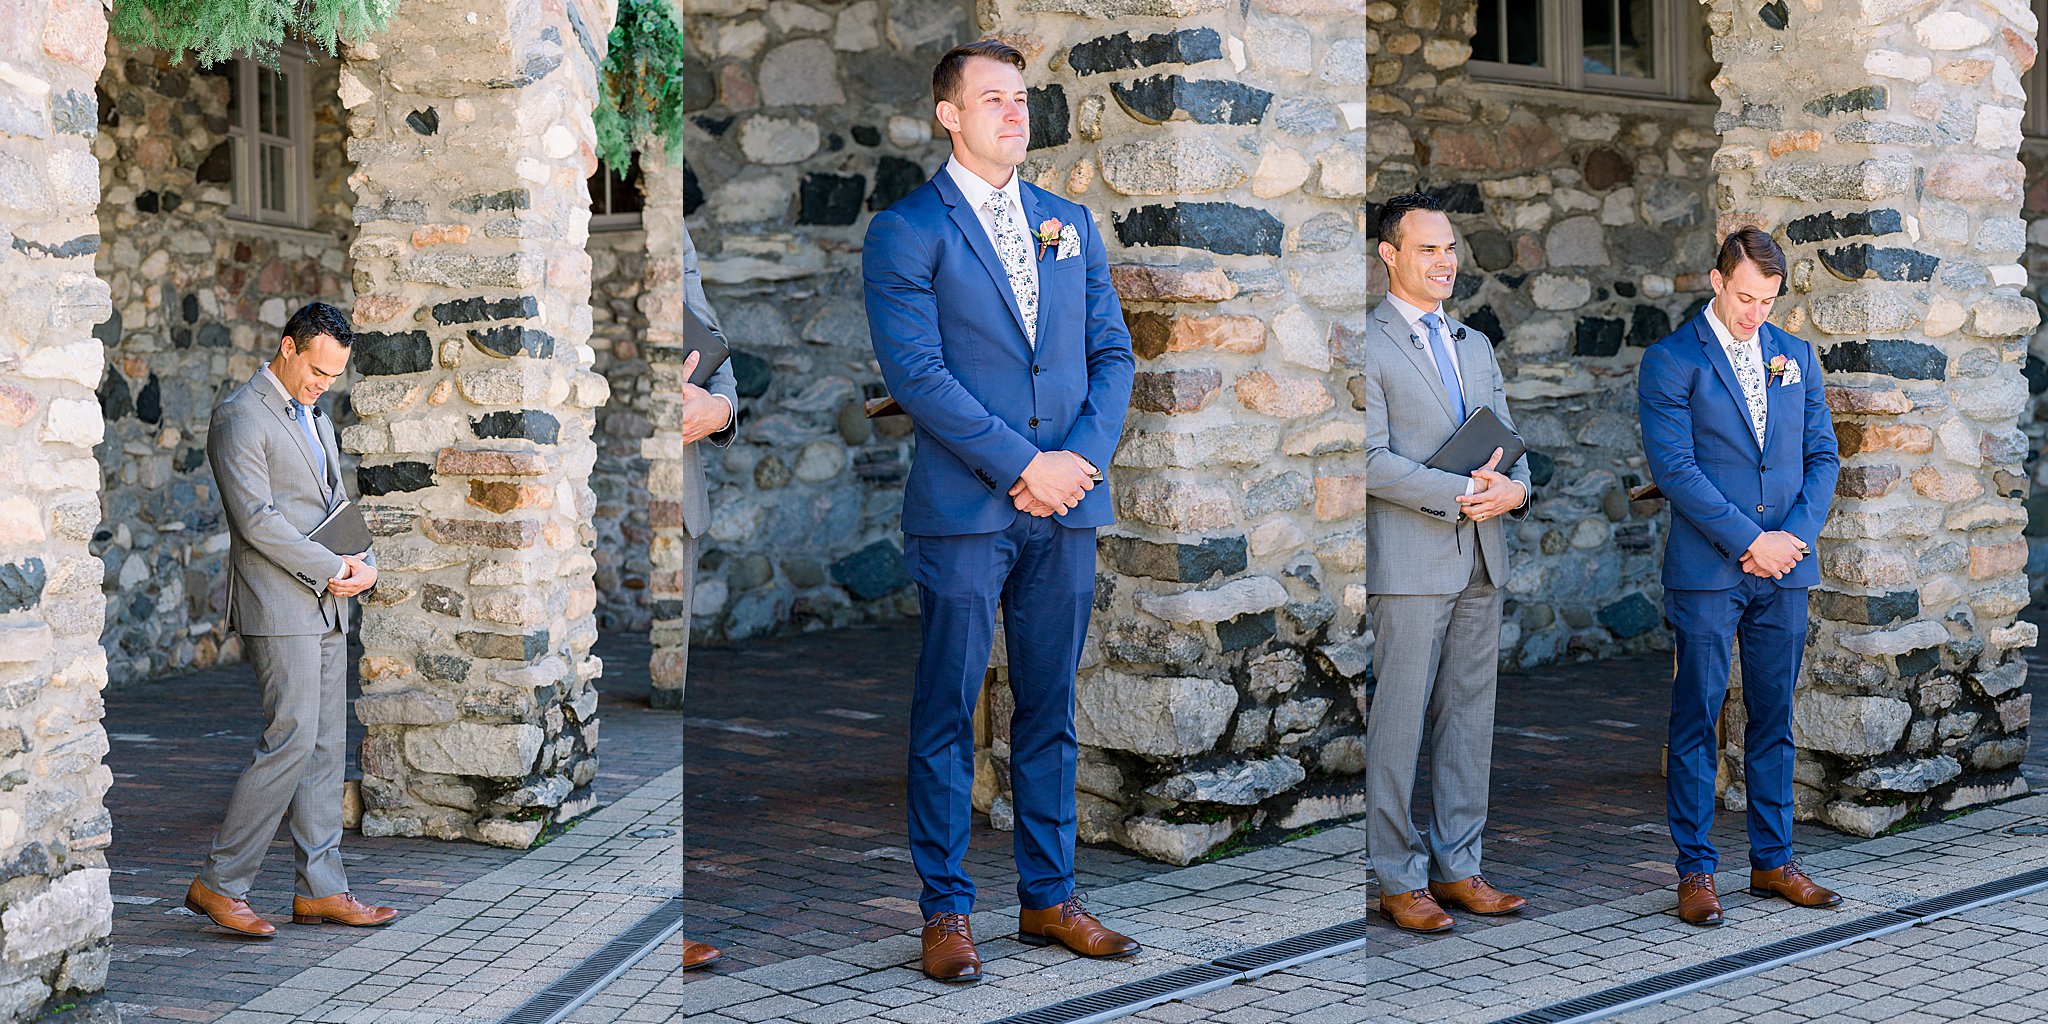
pixel 1436 560
pixel 996 328
pixel 1739 439
pixel 279 474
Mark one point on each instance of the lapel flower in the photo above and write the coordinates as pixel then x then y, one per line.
pixel 1779 366
pixel 1048 235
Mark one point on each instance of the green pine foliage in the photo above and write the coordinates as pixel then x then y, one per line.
pixel 217 30
pixel 643 83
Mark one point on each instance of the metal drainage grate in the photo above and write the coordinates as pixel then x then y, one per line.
pixel 1977 895
pixel 1660 987
pixel 1338 938
pixel 597 970
pixel 1111 1003
pixel 1195 979
pixel 2027 830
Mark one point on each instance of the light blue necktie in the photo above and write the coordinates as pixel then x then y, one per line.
pixel 304 415
pixel 1444 369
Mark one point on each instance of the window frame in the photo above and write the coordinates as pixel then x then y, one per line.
pixel 609 221
pixel 1564 55
pixel 248 140
pixel 2034 83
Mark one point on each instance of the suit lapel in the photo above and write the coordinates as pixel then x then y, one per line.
pixel 1717 357
pixel 276 404
pixel 1404 338
pixel 970 225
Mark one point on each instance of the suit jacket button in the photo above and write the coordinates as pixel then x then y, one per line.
pixel 1038 369
pixel 1034 421
pixel 1759 508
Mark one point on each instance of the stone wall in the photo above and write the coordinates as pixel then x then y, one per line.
pixel 619 477
pixel 199 298
pixel 2034 155
pixel 804 120
pixel 474 318
pixel 1884 158
pixel 1223 155
pixel 1586 235
pixel 55 910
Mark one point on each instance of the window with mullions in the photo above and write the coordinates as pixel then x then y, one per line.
pixel 268 124
pixel 615 200
pixel 1604 45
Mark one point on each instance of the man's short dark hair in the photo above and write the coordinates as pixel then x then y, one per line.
pixel 1754 245
pixel 1401 206
pixel 315 319
pixel 946 77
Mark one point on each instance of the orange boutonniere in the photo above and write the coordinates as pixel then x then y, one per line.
pixel 1048 235
pixel 1778 367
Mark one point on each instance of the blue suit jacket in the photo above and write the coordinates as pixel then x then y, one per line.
pixel 1725 491
pixel 950 340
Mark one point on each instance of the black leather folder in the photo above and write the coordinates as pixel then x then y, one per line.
pixel 1473 444
pixel 343 531
pixel 711 352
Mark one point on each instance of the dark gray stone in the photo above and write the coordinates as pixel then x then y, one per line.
pixel 1647 325
pixel 1176 563
pixel 512 341
pixel 1630 617
pixel 21 585
pixel 895 178
pixel 1869 97
pixel 527 424
pixel 1822 226
pixel 510 199
pixel 1051 120
pixel 1162 98
pixel 378 355
pixel 1907 360
pixel 1223 228
pixel 830 199
pixel 1245 631
pixel 425 122
pixel 751 374
pixel 1121 52
pixel 1865 609
pixel 1597 336
pixel 394 478
pixel 1491 249
pixel 1859 260
pixel 464 311
pixel 872 572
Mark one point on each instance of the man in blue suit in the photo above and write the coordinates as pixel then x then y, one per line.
pixel 996 328
pixel 1739 440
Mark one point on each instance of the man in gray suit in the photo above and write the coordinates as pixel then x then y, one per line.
pixel 1436 558
pixel 708 413
pixel 279 473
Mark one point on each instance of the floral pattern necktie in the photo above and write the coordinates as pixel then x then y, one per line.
pixel 1016 257
pixel 1751 377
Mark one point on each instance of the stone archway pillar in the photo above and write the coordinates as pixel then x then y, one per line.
pixel 1877 141
pixel 671 553
pixel 55 907
pixel 470 126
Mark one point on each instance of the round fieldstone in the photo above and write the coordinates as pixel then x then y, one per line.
pixel 770 473
pixel 820 461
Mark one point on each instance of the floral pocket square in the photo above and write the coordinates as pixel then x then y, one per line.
pixel 1070 242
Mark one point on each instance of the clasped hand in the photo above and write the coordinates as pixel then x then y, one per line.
pixel 357 575
pixel 704 413
pixel 1773 554
pixel 1496 493
pixel 1053 484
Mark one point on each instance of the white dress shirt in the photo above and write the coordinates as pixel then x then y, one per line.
pixel 976 190
pixel 1751 351
pixel 1414 314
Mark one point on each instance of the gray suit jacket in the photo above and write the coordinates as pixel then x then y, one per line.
pixel 696 499
pixel 274 495
pixel 1413 531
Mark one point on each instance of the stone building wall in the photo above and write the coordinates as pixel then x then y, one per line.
pixel 55 910
pixel 199 298
pixel 619 477
pixel 804 119
pixel 1586 231
pixel 1885 160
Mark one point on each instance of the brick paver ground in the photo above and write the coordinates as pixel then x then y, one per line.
pixel 178 745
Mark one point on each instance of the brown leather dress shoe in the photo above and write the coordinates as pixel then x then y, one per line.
pixel 1071 925
pixel 1793 884
pixel 699 954
pixel 949 953
pixel 1415 912
pixel 1475 895
pixel 1697 903
pixel 229 913
pixel 341 908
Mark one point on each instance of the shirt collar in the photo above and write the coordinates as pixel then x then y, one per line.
pixel 976 190
pixel 1411 312
pixel 289 401
pixel 1727 337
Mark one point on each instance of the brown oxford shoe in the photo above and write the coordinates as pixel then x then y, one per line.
pixel 1415 912
pixel 1793 884
pixel 340 908
pixel 1475 895
pixel 949 953
pixel 229 913
pixel 1071 925
pixel 1697 903
pixel 699 954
